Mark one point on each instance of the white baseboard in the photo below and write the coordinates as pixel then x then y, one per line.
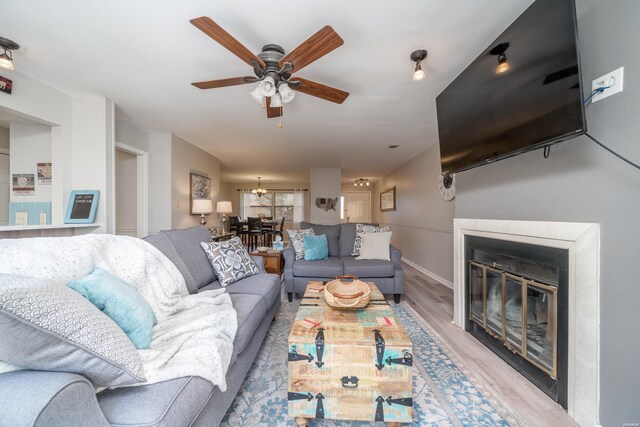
pixel 426 272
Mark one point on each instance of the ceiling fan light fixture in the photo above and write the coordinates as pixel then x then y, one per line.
pixel 257 94
pixel 268 86
pixel 418 56
pixel 276 100
pixel 286 94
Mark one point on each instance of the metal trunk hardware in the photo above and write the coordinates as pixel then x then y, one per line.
pixel 295 357
pixel 406 360
pixel 319 406
pixel 349 382
pixel 379 349
pixel 299 396
pixel 320 347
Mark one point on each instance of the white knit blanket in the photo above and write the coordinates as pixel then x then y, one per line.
pixel 194 334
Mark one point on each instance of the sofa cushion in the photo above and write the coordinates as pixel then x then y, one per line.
pixel 331 231
pixel 250 310
pixel 230 260
pixel 48 327
pixel 368 267
pixel 296 237
pixel 375 245
pixel 316 248
pixel 162 242
pixel 175 402
pixel 187 245
pixel 324 268
pixel 265 285
pixel 121 302
pixel 347 238
pixel 365 229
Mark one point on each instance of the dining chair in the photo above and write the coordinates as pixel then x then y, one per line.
pixel 254 231
pixel 276 230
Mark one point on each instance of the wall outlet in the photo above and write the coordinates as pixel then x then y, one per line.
pixel 613 79
pixel 22 218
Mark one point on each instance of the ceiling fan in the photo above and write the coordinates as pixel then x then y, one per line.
pixel 273 69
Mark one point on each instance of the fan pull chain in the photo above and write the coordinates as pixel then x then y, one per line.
pixel 280 123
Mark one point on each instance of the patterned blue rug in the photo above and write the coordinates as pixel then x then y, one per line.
pixel 443 392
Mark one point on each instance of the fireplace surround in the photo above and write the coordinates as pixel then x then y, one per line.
pixel 581 241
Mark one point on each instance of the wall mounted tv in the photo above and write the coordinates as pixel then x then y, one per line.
pixel 485 115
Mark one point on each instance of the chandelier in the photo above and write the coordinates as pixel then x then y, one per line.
pixel 361 182
pixel 259 191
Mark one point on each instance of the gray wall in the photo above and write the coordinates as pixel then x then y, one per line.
pixel 422 223
pixel 583 182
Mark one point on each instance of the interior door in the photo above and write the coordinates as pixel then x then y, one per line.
pixel 357 206
pixel 4 189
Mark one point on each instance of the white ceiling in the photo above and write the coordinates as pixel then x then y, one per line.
pixel 144 54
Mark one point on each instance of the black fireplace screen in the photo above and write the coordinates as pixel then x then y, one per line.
pixel 517 305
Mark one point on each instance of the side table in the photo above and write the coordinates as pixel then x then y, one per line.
pixel 273 260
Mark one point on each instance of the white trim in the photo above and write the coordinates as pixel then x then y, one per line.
pixel 426 272
pixel 582 241
pixel 142 171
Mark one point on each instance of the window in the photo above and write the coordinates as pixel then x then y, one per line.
pixel 275 204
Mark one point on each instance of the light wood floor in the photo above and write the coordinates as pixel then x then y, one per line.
pixel 434 302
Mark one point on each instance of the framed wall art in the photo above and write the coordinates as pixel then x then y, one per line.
pixel 200 189
pixel 388 200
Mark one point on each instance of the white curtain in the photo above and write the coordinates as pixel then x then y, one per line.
pixel 244 205
pixel 298 206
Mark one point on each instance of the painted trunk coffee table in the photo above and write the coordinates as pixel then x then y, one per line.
pixel 349 364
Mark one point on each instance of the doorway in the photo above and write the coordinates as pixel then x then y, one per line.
pixel 357 206
pixel 131 191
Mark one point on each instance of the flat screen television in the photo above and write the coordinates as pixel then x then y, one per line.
pixel 485 115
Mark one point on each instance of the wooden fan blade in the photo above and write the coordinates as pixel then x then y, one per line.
pixel 216 32
pixel 213 84
pixel 315 47
pixel 319 90
pixel 273 112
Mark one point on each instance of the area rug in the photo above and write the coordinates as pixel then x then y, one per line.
pixel 444 392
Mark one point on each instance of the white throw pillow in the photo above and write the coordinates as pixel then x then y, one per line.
pixel 365 228
pixel 375 245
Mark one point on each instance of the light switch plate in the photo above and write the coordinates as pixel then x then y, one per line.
pixel 22 218
pixel 614 79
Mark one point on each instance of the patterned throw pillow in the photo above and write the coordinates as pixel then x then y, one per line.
pixel 230 260
pixel 297 240
pixel 361 229
pixel 48 327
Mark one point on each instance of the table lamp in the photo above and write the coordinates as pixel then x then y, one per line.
pixel 202 207
pixel 224 208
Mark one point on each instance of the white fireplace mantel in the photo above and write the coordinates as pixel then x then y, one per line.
pixel 582 241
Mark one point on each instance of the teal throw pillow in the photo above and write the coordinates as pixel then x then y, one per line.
pixel 316 247
pixel 121 302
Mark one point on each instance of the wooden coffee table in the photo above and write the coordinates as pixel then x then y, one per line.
pixel 349 364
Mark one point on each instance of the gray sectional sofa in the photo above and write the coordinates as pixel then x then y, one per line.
pixel 387 275
pixel 38 398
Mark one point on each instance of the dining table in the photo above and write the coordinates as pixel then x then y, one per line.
pixel 267 225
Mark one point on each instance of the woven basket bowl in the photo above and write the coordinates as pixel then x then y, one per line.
pixel 347 295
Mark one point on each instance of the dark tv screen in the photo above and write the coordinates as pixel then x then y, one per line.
pixel 485 116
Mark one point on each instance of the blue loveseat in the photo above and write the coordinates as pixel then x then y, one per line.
pixel 387 275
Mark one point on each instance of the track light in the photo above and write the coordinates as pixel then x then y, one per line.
pixel 500 51
pixel 418 56
pixel 6 58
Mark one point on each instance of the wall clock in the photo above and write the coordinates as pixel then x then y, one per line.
pixel 447 186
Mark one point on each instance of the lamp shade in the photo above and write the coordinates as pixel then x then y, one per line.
pixel 202 206
pixel 224 207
